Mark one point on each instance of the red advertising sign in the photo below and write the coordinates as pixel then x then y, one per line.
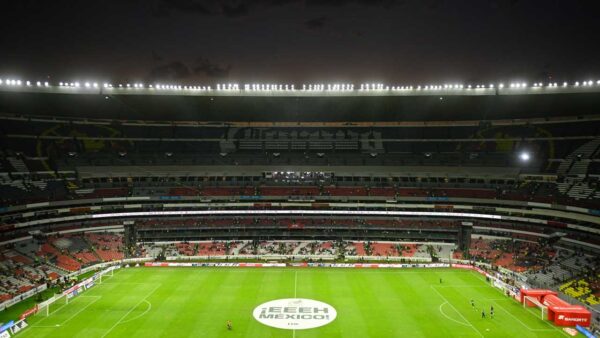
pixel 28 312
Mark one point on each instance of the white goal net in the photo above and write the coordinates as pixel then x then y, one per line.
pixel 60 300
pixel 53 304
pixel 533 300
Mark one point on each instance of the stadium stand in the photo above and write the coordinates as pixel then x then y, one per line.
pixel 102 190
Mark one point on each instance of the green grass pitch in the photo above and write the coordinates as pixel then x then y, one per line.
pixel 197 302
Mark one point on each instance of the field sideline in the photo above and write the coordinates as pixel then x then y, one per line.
pixel 197 302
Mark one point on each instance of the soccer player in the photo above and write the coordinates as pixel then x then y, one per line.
pixel 473 304
pixel 492 313
pixel 440 281
pixel 229 325
pixel 482 313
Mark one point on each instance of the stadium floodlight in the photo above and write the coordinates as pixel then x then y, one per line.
pixel 577 84
pixel 524 156
pixel 501 85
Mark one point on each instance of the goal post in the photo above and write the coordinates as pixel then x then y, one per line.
pixel 56 302
pixel 100 276
pixel 53 304
pixel 536 302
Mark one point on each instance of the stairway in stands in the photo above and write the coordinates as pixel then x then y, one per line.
pixel 575 169
pixel 576 163
pixel 18 164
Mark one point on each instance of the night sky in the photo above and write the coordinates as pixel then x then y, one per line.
pixel 301 41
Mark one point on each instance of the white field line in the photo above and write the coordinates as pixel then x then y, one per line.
pixel 85 307
pixel 72 316
pixel 460 286
pixel 141 314
pixel 545 321
pixel 55 311
pixel 460 314
pixel 130 283
pixel 517 319
pixel 295 295
pixel 128 312
pixel 450 318
pixel 295 283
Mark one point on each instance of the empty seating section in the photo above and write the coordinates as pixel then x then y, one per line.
pixel 387 191
pixel 569 192
pixel 345 191
pixel 184 191
pixel 581 276
pixel 299 248
pixel 201 248
pixel 68 252
pixel 106 193
pixel 186 249
pixel 52 255
pixel 109 247
pixel 514 255
pixel 384 249
pixel 289 191
pixel 86 257
pixel 585 289
pixel 228 222
pixel 360 248
pixel 279 248
pixel 212 249
pixel 228 191
pixel 20 273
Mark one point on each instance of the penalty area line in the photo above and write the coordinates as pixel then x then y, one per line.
pixel 527 310
pixel 141 314
pixel 455 310
pixel 128 312
pixel 448 317
pixel 72 316
pixel 517 319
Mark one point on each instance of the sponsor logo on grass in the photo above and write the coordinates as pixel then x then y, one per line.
pixel 295 313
